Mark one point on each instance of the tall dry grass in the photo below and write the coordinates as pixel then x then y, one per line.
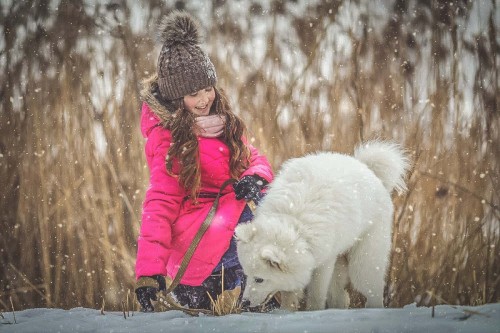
pixel 72 170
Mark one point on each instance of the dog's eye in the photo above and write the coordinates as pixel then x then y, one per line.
pixel 258 280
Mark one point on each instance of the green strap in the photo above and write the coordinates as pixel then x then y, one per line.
pixel 197 238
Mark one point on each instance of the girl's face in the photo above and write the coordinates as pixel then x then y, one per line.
pixel 200 102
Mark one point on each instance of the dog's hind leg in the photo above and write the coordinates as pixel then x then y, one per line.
pixel 338 297
pixel 368 260
pixel 317 289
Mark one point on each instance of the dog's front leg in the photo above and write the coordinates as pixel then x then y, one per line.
pixel 317 289
pixel 338 297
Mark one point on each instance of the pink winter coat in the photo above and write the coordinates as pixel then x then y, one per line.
pixel 169 222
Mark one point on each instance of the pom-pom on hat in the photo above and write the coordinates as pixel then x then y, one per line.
pixel 183 67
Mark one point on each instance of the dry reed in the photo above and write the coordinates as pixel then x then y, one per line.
pixel 227 302
pixel 13 310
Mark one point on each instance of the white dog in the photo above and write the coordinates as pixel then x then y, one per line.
pixel 319 208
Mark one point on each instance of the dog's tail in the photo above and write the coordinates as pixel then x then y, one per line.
pixel 387 160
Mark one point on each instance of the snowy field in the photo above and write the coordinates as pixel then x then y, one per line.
pixel 480 319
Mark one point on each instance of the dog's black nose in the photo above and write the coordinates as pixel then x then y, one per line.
pixel 245 304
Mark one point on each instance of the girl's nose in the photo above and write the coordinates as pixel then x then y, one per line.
pixel 204 97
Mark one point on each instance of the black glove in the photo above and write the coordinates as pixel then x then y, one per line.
pixel 147 287
pixel 249 188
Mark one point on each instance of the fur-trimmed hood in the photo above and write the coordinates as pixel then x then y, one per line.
pixel 161 115
pixel 154 113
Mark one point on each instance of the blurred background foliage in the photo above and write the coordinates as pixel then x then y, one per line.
pixel 305 75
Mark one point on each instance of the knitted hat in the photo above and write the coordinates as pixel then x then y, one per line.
pixel 183 67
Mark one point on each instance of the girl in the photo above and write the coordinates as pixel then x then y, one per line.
pixel 194 144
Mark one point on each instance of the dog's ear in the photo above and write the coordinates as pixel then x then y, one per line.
pixel 245 232
pixel 274 257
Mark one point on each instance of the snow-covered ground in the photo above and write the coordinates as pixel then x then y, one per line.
pixel 480 319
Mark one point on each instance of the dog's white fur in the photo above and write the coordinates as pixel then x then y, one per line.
pixel 319 208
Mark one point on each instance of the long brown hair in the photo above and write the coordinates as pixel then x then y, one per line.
pixel 185 148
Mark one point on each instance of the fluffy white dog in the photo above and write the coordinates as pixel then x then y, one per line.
pixel 326 220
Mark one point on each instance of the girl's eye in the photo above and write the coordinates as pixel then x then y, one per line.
pixel 208 89
pixel 258 280
pixel 193 94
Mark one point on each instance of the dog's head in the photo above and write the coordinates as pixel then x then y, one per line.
pixel 274 257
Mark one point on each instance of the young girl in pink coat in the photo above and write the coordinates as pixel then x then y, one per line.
pixel 194 144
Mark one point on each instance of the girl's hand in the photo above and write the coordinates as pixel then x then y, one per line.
pixel 147 287
pixel 210 126
pixel 249 188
